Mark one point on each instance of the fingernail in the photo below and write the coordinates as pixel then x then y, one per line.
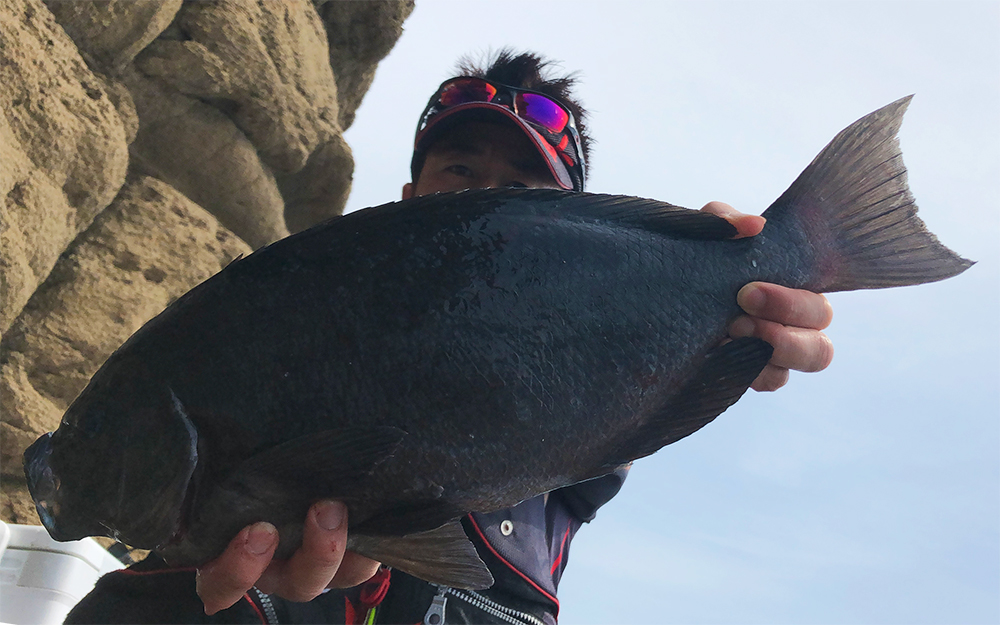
pixel 330 514
pixel 260 538
pixel 751 298
pixel 742 326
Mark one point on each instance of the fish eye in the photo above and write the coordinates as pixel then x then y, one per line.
pixel 89 426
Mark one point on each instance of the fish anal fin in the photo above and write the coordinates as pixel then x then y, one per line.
pixel 442 556
pixel 725 374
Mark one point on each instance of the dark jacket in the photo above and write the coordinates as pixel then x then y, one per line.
pixel 525 547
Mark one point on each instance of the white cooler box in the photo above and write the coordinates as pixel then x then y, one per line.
pixel 41 579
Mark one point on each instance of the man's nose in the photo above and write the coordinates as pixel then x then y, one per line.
pixel 489 182
pixel 497 181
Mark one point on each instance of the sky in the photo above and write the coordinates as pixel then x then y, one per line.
pixel 867 493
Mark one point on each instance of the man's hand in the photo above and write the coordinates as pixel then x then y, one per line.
pixel 790 320
pixel 321 562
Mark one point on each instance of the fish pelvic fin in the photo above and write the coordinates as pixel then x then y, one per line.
pixel 724 375
pixel 855 208
pixel 443 556
pixel 411 517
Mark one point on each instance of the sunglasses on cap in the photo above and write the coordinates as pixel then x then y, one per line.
pixel 553 125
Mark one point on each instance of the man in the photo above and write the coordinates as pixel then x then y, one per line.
pixel 481 129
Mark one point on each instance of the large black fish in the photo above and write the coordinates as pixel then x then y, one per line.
pixel 452 353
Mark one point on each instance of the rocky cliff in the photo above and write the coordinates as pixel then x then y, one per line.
pixel 144 145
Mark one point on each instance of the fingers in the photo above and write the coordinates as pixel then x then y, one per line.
pixel 770 379
pixel 223 581
pixel 801 349
pixel 790 320
pixel 320 563
pixel 790 307
pixel 305 575
pixel 746 225
pixel 353 570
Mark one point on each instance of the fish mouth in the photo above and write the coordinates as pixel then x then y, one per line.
pixel 44 486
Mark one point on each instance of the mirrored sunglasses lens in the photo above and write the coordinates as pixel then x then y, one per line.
pixel 542 111
pixel 462 91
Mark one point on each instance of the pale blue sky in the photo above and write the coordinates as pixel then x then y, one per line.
pixel 869 493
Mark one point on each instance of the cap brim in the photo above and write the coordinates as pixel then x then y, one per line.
pixel 491 112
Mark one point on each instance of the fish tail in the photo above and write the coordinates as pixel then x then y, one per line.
pixel 854 208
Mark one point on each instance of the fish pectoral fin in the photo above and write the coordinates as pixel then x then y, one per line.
pixel 442 556
pixel 339 458
pixel 725 374
pixel 416 516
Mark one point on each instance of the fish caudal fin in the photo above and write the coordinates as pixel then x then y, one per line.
pixel 443 556
pixel 854 206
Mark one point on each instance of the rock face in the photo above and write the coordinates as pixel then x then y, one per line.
pixel 144 145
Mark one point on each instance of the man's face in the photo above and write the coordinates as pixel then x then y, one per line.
pixel 480 155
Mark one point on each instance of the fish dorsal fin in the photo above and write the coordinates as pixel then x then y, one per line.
pixel 725 374
pixel 644 213
pixel 339 457
pixel 652 215
pixel 442 556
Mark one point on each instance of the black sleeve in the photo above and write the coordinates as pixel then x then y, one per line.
pixel 150 592
pixel 585 498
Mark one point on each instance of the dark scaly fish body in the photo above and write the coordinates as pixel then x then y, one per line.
pixel 453 353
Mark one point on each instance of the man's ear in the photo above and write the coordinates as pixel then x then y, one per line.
pixel 407 190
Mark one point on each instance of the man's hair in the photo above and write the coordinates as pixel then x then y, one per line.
pixel 528 70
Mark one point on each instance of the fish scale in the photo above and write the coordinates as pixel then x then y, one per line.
pixel 454 353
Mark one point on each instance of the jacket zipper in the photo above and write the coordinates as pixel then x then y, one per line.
pixel 435 613
pixel 270 616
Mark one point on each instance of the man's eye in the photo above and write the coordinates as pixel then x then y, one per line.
pixel 460 170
